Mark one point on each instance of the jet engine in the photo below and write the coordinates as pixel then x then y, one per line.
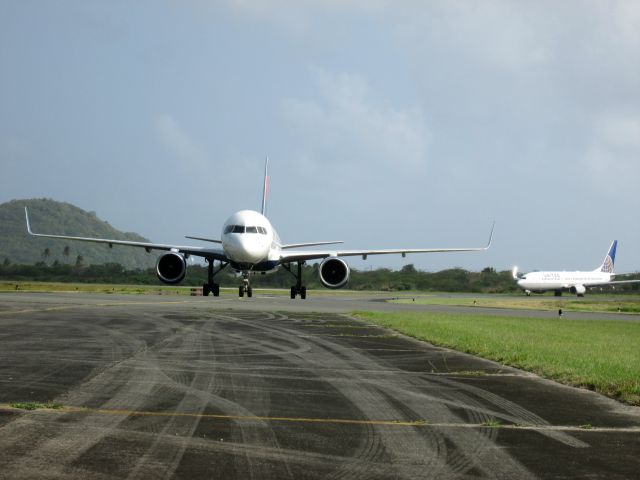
pixel 578 290
pixel 334 272
pixel 171 268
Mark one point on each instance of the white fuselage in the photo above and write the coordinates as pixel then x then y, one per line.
pixel 545 281
pixel 250 241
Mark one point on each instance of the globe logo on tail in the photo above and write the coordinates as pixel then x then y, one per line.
pixel 607 264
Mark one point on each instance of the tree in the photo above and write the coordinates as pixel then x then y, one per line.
pixel 46 253
pixel 79 261
pixel 66 252
pixel 410 268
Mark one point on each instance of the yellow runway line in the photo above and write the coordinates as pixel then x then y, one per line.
pixel 343 421
pixel 246 418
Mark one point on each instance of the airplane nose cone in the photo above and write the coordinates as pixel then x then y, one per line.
pixel 245 249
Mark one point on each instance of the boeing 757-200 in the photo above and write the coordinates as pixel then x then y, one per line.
pixel 574 282
pixel 249 243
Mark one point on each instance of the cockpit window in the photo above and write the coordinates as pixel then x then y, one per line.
pixel 243 229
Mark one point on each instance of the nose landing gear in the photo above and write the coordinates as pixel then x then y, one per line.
pixel 246 286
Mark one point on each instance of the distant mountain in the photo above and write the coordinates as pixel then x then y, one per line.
pixel 50 216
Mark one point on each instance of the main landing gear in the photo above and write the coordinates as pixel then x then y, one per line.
pixel 210 286
pixel 246 286
pixel 298 288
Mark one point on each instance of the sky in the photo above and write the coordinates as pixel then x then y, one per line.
pixel 388 123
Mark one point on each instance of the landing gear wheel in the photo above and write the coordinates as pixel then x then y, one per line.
pixel 205 290
pixel 249 292
pixel 216 290
pixel 303 293
pixel 241 292
pixel 293 292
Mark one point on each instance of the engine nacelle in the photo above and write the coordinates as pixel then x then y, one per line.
pixel 171 268
pixel 334 272
pixel 578 290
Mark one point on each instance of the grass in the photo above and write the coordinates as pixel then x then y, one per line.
pixel 598 355
pixel 492 423
pixel 8 286
pixel 618 303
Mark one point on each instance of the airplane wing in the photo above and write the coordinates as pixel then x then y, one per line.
pixel 615 282
pixel 302 255
pixel 210 253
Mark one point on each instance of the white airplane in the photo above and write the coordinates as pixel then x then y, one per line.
pixel 250 244
pixel 574 282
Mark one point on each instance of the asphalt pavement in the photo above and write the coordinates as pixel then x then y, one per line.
pixel 270 388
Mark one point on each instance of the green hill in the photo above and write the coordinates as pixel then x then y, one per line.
pixel 50 216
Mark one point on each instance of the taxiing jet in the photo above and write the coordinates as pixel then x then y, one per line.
pixel 574 282
pixel 250 244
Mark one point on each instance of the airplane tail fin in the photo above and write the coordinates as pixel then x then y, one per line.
pixel 265 187
pixel 608 262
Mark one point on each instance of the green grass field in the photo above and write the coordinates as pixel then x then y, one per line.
pixel 599 355
pixel 613 303
pixel 7 286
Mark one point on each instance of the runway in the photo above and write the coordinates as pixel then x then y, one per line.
pixel 174 387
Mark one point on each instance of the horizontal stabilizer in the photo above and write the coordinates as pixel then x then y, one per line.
pixel 514 272
pixel 203 239
pixel 311 244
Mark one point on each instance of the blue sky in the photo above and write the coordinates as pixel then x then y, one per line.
pixel 387 123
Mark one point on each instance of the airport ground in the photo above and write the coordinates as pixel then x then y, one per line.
pixel 173 387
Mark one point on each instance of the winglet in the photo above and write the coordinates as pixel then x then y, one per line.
pixel 490 236
pixel 26 214
pixel 265 188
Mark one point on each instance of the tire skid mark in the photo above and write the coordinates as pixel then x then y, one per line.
pixel 509 411
pixel 159 461
pixel 370 446
pixel 67 448
pixel 131 384
pixel 260 433
pixel 245 392
pixel 466 450
pixel 412 452
pixel 415 445
pixel 369 401
pixel 208 365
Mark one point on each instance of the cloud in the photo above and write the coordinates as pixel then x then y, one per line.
pixel 612 156
pixel 348 120
pixel 179 142
pixel 626 17
pixel 299 18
